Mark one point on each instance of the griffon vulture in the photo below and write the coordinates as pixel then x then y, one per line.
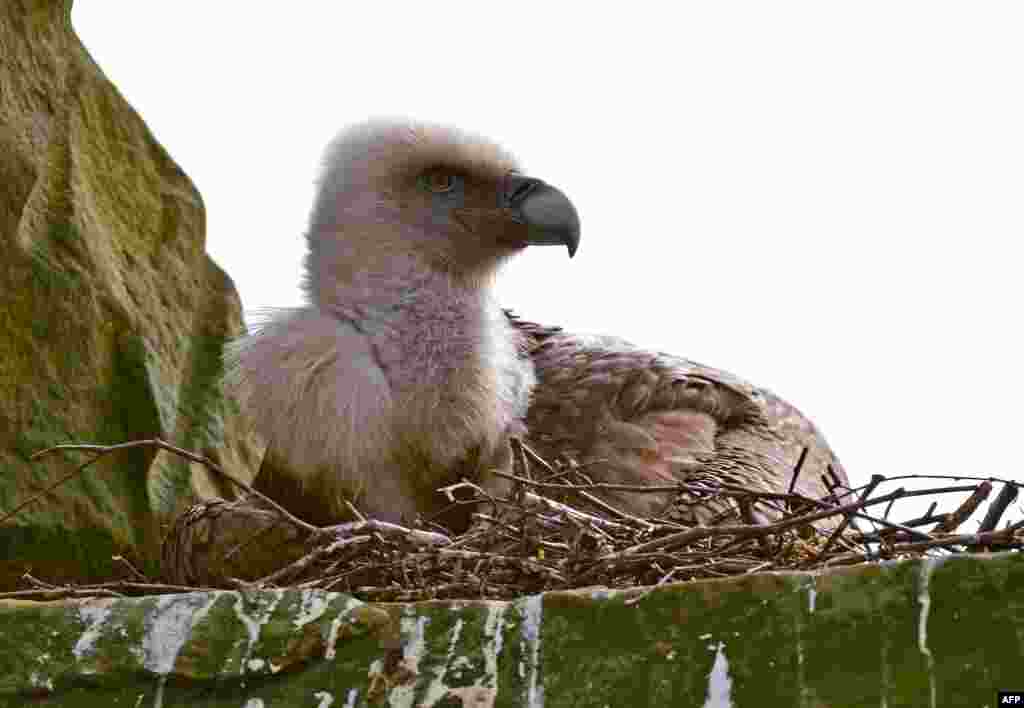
pixel 402 374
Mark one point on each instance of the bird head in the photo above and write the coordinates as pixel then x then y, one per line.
pixel 394 191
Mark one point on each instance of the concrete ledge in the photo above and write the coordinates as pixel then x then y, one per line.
pixel 930 633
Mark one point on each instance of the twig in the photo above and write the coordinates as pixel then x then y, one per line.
pixel 968 507
pixel 1006 496
pixel 875 481
pixel 101 450
pixel 799 466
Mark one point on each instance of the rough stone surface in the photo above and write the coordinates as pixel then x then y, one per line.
pixel 112 316
pixel 915 634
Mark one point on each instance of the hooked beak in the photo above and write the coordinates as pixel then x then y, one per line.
pixel 549 216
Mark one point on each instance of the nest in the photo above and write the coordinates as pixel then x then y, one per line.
pixel 552 533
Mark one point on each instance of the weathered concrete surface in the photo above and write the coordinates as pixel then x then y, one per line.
pixel 112 316
pixel 914 634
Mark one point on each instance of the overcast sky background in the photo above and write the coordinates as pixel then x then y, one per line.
pixel 824 198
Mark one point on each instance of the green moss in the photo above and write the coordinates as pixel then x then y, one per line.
pixel 55 549
pixel 53 280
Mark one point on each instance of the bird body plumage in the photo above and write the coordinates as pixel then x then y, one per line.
pixel 638 417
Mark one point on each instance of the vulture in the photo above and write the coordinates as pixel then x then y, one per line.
pixel 402 374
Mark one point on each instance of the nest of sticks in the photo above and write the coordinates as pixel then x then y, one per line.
pixel 552 533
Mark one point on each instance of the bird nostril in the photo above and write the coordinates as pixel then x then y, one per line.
pixel 518 188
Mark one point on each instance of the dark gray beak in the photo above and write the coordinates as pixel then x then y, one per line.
pixel 549 216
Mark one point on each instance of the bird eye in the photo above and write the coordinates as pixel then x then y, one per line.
pixel 438 181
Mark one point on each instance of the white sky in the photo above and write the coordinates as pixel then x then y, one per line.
pixel 824 198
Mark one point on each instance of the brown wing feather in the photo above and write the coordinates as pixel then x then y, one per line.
pixel 654 418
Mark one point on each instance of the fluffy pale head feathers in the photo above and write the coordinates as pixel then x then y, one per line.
pixel 397 195
pixel 378 154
